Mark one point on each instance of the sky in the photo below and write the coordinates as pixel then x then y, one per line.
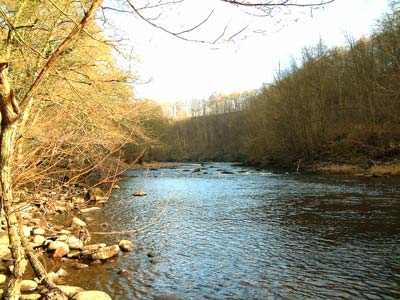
pixel 171 69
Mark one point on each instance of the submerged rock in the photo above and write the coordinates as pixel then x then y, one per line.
pixel 167 296
pixel 91 295
pixel 76 222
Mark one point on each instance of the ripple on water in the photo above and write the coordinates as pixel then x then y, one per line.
pixel 254 235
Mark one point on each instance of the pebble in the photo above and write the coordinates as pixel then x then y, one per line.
pixel 3 278
pixel 125 245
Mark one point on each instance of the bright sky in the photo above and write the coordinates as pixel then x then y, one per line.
pixel 181 70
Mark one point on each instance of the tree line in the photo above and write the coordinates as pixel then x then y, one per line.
pixel 338 104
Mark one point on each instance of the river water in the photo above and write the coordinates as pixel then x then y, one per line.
pixel 230 232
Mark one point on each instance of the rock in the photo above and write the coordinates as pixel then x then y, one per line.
pixel 123 272
pixel 80 266
pixel 151 254
pixel 65 232
pixel 74 243
pixel 53 276
pixel 28 286
pixel 91 295
pixel 74 254
pixel 139 193
pixel 30 297
pixel 39 231
pixel 38 240
pixel 95 194
pixel 4 240
pixel 61 272
pixel 63 238
pixel 5 252
pixel 60 252
pixel 26 230
pixel 167 296
pixel 76 222
pixel 70 291
pixel 61 249
pixel 101 253
pixel 78 200
pixel 116 187
pixel 196 170
pixel 90 209
pixel 3 279
pixel 125 245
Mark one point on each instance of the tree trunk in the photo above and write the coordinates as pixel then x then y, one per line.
pixel 9 115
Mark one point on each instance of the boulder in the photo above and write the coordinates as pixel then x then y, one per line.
pixel 70 291
pixel 28 286
pixel 125 245
pixel 101 253
pixel 76 222
pixel 90 295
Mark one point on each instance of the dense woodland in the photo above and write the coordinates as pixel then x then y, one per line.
pixel 339 105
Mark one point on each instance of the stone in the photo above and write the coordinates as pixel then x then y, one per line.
pixel 28 286
pixel 65 232
pixel 74 243
pixel 39 231
pixel 78 200
pixel 4 240
pixel 90 209
pixel 74 254
pixel 95 194
pixel 139 193
pixel 38 240
pixel 93 247
pixel 5 252
pixel 116 187
pixel 60 249
pixel 76 222
pixel 80 266
pixel 61 272
pixel 123 272
pixel 101 253
pixel 3 279
pixel 53 276
pixel 26 230
pixel 151 254
pixel 91 295
pixel 125 245
pixel 70 291
pixel 30 297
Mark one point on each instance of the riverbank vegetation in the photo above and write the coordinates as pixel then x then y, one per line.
pixel 335 109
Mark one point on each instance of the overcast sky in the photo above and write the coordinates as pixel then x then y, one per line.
pixel 181 70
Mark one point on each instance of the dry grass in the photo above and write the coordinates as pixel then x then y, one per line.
pixel 338 169
pixel 391 169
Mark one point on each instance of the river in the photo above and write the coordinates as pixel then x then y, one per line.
pixel 221 231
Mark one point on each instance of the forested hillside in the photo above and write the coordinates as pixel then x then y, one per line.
pixel 337 105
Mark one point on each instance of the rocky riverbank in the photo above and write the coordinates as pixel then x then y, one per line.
pixel 67 246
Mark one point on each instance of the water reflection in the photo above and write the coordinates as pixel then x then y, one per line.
pixel 236 233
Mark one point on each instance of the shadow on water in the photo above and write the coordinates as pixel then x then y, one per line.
pixel 231 232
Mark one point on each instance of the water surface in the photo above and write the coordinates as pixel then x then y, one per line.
pixel 229 232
